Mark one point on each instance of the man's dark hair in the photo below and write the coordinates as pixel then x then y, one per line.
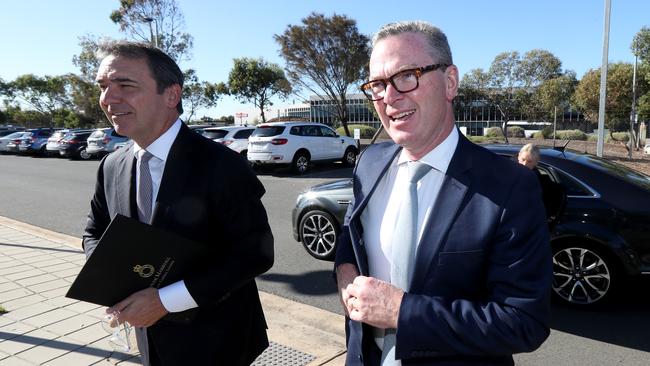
pixel 164 69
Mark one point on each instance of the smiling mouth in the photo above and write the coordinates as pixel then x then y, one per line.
pixel 401 115
pixel 120 114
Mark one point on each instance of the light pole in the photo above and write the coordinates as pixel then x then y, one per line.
pixel 633 138
pixel 154 41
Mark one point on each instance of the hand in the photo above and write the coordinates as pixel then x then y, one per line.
pixel 345 274
pixel 374 302
pixel 141 309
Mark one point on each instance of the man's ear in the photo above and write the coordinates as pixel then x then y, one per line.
pixel 173 95
pixel 451 75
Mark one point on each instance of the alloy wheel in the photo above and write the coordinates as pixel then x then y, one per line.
pixel 319 234
pixel 580 275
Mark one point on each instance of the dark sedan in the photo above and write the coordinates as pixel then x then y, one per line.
pixel 602 236
pixel 74 143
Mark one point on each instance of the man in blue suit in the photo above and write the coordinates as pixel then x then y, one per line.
pixel 477 285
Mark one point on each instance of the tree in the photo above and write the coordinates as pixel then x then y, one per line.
pixel 257 81
pixel 45 94
pixel 555 92
pixel 619 95
pixel 327 56
pixel 159 22
pixel 641 44
pixel 198 94
pixel 511 82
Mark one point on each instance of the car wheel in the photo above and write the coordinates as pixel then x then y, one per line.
pixel 350 157
pixel 84 154
pixel 582 275
pixel 300 163
pixel 318 231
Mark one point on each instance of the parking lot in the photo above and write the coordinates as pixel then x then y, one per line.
pixel 55 193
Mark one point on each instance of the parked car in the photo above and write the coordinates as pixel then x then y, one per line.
pixel 9 143
pixel 235 137
pixel 35 141
pixel 52 145
pixel 102 141
pixel 73 145
pixel 299 144
pixel 601 237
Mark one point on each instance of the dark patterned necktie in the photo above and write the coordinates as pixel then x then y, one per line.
pixel 145 188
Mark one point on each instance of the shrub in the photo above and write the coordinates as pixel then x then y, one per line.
pixel 571 135
pixel 539 135
pixel 516 131
pixel 493 132
pixel 618 136
pixel 367 132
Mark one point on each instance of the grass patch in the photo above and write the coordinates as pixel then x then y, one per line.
pixel 2 310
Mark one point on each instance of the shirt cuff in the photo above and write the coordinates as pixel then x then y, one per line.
pixel 176 298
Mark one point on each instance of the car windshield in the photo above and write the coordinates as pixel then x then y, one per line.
pixel 618 170
pixel 267 131
pixel 215 134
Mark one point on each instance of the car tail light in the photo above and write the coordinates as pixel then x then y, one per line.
pixel 17 141
pixel 225 142
pixel 73 141
pixel 279 141
pixel 106 140
pixel 34 139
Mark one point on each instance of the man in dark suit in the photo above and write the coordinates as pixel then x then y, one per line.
pixel 179 181
pixel 466 279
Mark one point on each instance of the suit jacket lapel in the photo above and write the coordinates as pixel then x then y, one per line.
pixel 449 200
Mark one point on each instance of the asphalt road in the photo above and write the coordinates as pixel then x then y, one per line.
pixel 55 193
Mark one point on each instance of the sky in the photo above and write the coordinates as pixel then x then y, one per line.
pixel 41 36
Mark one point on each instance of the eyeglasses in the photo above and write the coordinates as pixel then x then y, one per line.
pixel 120 333
pixel 404 81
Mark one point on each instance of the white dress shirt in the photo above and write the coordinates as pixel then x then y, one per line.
pixel 380 215
pixel 174 297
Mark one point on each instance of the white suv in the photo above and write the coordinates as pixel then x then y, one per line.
pixel 235 137
pixel 299 144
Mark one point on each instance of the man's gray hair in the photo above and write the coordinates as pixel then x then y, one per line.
pixel 437 40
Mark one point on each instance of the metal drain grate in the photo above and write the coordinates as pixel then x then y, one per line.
pixel 279 355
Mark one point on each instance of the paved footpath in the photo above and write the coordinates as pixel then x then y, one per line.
pixel 43 327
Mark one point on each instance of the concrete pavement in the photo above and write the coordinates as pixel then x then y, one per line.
pixel 43 327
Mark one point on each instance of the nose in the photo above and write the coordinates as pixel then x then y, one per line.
pixel 391 94
pixel 109 96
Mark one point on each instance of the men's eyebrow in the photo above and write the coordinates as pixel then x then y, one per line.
pixel 399 69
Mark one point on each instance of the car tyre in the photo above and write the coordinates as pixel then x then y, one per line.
pixel 300 162
pixel 84 155
pixel 583 275
pixel 350 157
pixel 318 233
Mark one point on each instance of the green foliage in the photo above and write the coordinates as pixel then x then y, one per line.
pixel 493 132
pixel 570 135
pixel 326 55
pixel 641 44
pixel 197 94
pixel 257 81
pixel 2 310
pixel 367 132
pixel 513 131
pixel 159 22
pixel 619 96
pixel 44 94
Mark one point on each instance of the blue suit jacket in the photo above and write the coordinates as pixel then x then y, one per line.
pixel 481 286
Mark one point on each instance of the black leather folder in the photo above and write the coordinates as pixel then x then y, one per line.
pixel 132 256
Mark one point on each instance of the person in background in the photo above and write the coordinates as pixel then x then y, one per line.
pixel 553 194
pixel 444 256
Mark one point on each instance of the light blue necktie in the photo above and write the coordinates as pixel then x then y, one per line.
pixel 145 188
pixel 404 246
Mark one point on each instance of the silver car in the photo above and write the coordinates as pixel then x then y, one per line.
pixel 103 141
pixel 11 138
pixel 52 147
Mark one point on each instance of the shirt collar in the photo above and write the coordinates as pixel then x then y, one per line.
pixel 161 146
pixel 440 157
